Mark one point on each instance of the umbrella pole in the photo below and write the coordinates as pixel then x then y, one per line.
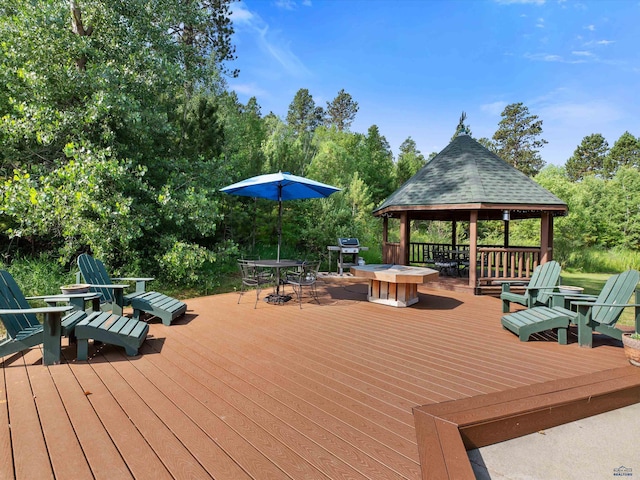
pixel 279 219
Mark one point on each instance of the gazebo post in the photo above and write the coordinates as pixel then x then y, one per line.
pixel 473 248
pixel 385 229
pixel 405 238
pixel 546 241
pixel 506 233
pixel 550 256
pixel 454 227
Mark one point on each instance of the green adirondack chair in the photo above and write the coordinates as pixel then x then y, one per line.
pixel 157 304
pixel 538 291
pixel 24 331
pixel 591 316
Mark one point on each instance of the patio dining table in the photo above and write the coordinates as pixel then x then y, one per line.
pixel 277 297
pixel 453 259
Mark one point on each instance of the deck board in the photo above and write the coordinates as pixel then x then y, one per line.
pixel 130 444
pixel 6 456
pixel 30 455
pixel 63 446
pixel 266 394
pixel 323 392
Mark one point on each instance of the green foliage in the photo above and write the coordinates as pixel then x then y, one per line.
pixel 410 160
pixel 375 165
pixel 341 111
pixel 111 129
pixel 336 160
pixel 39 275
pixel 82 202
pixel 281 150
pixel 602 213
pixel 600 260
pixel 588 158
pixel 185 263
pixel 303 115
pixel 624 153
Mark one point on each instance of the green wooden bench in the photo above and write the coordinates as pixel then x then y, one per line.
pixel 106 327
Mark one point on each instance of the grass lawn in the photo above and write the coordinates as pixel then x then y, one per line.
pixel 592 284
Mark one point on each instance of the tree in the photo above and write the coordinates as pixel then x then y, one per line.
pixel 622 208
pixel 625 152
pixel 375 165
pixel 341 111
pixel 488 144
pixel 204 30
pixel 517 139
pixel 588 158
pixel 303 115
pixel 280 149
pixel 98 135
pixel 410 160
pixel 337 157
pixel 245 131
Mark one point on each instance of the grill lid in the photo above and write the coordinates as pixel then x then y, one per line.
pixel 348 242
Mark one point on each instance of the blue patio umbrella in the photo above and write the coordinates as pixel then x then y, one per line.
pixel 280 186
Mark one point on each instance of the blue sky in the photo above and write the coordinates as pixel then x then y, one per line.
pixel 414 66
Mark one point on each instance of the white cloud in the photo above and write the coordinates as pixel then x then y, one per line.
pixel 554 58
pixel 240 14
pixel 248 89
pixel 291 4
pixel 589 113
pixel 495 108
pixel 281 52
pixel 591 28
pixel 271 42
pixel 521 2
pixel 540 23
pixel 286 4
pixel 567 106
pixel 544 57
pixel 568 119
pixel 605 42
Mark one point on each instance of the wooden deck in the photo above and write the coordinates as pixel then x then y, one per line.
pixel 276 392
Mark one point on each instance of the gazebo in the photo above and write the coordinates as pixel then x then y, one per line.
pixel 467 182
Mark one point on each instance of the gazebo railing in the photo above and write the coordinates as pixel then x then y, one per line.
pixel 426 253
pixel 512 263
pixel 493 262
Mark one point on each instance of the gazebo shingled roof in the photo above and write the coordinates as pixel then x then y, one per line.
pixel 467 176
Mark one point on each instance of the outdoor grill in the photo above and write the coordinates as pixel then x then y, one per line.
pixel 348 249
